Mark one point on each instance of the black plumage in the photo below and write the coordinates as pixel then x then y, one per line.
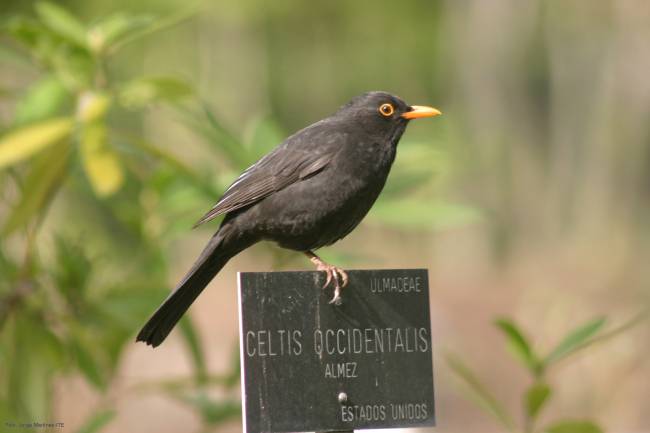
pixel 310 191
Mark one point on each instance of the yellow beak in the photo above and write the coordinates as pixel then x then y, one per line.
pixel 418 111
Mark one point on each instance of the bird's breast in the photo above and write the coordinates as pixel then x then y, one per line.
pixel 325 207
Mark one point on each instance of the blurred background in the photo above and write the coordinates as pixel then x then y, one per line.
pixel 121 123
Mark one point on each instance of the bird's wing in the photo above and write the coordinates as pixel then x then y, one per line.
pixel 291 162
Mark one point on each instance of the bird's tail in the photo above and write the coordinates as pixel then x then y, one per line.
pixel 214 257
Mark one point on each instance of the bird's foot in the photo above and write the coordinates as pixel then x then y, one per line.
pixel 336 275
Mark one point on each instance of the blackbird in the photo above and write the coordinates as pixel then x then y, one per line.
pixel 310 191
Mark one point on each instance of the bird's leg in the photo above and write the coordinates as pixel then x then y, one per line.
pixel 333 274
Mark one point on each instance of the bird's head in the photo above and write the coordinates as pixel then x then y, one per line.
pixel 382 112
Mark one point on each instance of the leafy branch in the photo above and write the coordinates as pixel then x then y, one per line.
pixel 538 394
pixel 59 311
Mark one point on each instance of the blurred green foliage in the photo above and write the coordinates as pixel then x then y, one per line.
pixel 69 306
pixel 71 297
pixel 540 391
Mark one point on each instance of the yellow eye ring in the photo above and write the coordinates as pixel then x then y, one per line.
pixel 386 109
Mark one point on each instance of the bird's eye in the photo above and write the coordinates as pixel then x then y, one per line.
pixel 386 109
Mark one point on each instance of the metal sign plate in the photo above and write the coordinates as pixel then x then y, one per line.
pixel 312 366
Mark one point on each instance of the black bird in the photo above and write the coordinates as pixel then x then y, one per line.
pixel 310 191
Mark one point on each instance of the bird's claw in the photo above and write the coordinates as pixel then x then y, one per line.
pixel 336 275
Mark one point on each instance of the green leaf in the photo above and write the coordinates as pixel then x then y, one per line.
pixel 115 28
pixel 263 135
pixel 218 136
pixel 213 412
pixel 72 270
pixel 97 422
pixel 226 141
pixel 536 397
pixel 479 392
pixel 406 182
pixel 9 271
pixel 234 375
pixel 174 162
pixel 129 304
pixel 87 361
pixel 419 167
pixel 25 142
pixel 100 161
pixel 45 175
pixel 518 345
pixel 31 380
pixel 188 331
pixel 34 35
pixel 5 412
pixel 37 384
pixel 75 68
pixel 572 426
pixel 92 106
pixel 575 340
pixel 144 91
pixel 62 22
pixel 626 326
pixel 50 348
pixel 157 25
pixel 43 99
pixel 418 214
